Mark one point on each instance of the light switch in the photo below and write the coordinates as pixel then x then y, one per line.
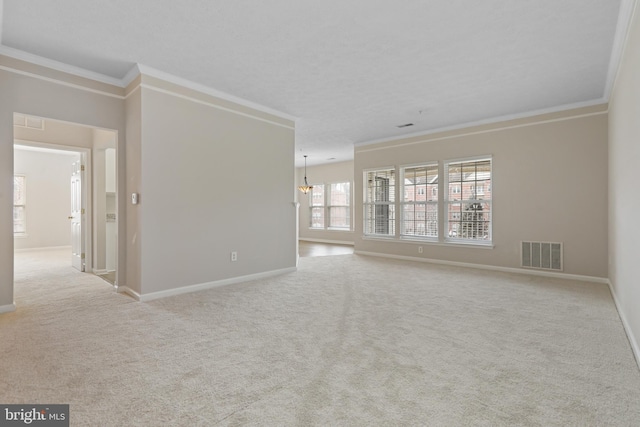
pixel 134 198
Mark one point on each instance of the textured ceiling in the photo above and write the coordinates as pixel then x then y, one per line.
pixel 350 71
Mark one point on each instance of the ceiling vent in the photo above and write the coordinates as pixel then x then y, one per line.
pixel 28 122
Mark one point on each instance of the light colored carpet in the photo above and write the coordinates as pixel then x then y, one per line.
pixel 345 340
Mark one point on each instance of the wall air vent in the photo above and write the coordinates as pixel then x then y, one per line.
pixel 542 255
pixel 28 122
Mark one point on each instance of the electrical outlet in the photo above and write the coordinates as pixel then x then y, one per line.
pixel 419 249
pixel 234 256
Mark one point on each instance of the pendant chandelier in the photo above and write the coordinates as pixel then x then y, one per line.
pixel 306 187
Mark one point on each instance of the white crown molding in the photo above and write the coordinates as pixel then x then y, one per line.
pixel 134 72
pixel 494 120
pixel 628 9
pixel 59 66
pixel 152 72
pixel 131 75
pixel 213 105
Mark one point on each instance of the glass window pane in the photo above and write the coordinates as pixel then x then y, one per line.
pixel 19 190
pixel 317 195
pixel 317 217
pixel 19 223
pixel 469 207
pixel 379 209
pixel 339 217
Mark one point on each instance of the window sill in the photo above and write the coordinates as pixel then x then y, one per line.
pixel 381 238
pixel 342 230
pixel 425 242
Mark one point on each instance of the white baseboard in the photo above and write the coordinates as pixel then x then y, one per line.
pixel 128 291
pixel 332 242
pixel 602 280
pixel 627 328
pixel 7 308
pixel 99 272
pixel 202 286
pixel 46 248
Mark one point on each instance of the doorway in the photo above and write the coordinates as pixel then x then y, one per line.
pixel 68 172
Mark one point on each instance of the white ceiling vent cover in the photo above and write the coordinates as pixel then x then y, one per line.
pixel 542 255
pixel 28 122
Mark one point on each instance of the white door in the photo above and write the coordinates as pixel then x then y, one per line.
pixel 77 215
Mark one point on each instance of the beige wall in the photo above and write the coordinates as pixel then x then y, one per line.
pixel 549 184
pixel 103 107
pixel 624 199
pixel 58 133
pixel 213 177
pixel 133 185
pixel 212 181
pixel 324 174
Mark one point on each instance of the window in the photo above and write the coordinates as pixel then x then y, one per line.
pixel 330 206
pixel 19 205
pixel 468 211
pixel 317 206
pixel 419 207
pixel 339 205
pixel 379 202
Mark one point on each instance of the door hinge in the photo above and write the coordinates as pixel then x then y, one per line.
pixel 82 168
pixel 82 211
pixel 82 255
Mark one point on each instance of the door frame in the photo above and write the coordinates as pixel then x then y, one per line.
pixel 86 192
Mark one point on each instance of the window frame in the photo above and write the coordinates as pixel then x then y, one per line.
pixel 326 207
pixel 391 219
pixel 427 193
pixel 313 207
pixel 22 205
pixel 455 239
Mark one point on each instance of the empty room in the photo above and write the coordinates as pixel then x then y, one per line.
pixel 334 213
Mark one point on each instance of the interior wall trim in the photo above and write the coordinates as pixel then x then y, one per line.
pixel 212 104
pixel 633 342
pixel 592 279
pixel 7 308
pixel 60 82
pixel 467 129
pixel 202 286
pixel 329 241
pixel 628 9
pixel 58 66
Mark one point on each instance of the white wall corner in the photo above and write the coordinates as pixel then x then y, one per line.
pixel 131 75
pixel 128 291
pixel 627 328
pixel 625 17
pixel 1 19
pixel 7 308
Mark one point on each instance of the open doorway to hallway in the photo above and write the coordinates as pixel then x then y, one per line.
pixel 65 194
